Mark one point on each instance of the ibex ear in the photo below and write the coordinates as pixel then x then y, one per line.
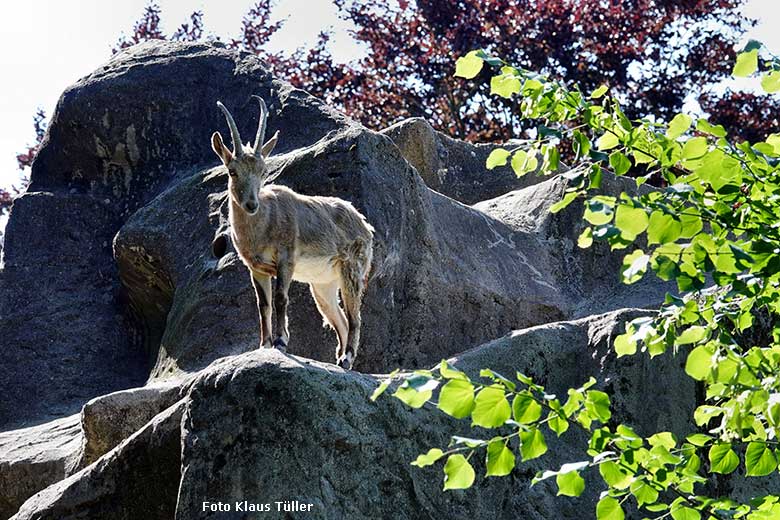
pixel 269 145
pixel 220 149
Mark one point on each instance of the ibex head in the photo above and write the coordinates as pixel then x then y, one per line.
pixel 247 171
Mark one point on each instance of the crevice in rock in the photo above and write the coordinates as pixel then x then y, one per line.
pixel 148 291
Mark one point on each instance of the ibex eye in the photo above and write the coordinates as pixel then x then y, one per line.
pixel 232 173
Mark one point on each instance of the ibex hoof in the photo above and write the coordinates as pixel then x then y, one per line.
pixel 266 344
pixel 345 362
pixel 280 344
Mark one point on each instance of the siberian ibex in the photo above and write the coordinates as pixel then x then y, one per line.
pixel 323 241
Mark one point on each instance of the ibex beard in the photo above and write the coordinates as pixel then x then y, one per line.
pixel 278 233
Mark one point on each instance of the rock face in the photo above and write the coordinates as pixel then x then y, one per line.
pixel 137 479
pixel 35 457
pixel 452 167
pixel 265 427
pixel 122 298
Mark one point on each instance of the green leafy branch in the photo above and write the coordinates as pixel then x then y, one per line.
pixel 713 230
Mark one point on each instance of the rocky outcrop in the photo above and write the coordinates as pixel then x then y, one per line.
pixel 267 427
pixel 453 167
pixel 34 458
pixel 124 299
pixel 108 420
pixel 137 479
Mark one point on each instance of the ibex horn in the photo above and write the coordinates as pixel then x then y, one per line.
pixel 260 137
pixel 238 149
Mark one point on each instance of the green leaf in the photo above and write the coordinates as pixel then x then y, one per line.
pixel 694 148
pixel 662 228
pixel 702 125
pixel 505 85
pixel 692 334
pixel 524 162
pixel 685 513
pixel 458 473
pixel 625 345
pixel 457 398
pixel 597 403
pixel 634 266
pixel 500 459
pixel 747 63
pixel 525 409
pixel 383 385
pixel 532 444
pixel 614 476
pixel 665 439
pixel 609 509
pixel 597 212
pixel 631 221
pixel 450 373
pixel 771 82
pixel 429 458
pixel 491 407
pixel 570 484
pixel 678 126
pixel 497 157
pixel 699 439
pixel 599 92
pixel 759 460
pixel 607 141
pixel 557 423
pixel 585 240
pixel 644 492
pixel 565 201
pixel 699 362
pixel 469 65
pixel 722 458
pixel 411 397
pixel 619 162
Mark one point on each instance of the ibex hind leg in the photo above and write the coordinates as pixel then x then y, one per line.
pixel 352 289
pixel 326 296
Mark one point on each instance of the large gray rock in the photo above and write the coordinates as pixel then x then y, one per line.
pixel 435 261
pixel 36 457
pixel 117 139
pixel 137 479
pixel 453 167
pixel 119 269
pixel 266 427
pixel 590 276
pixel 108 420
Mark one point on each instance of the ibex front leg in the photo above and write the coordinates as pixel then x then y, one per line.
pixel 262 285
pixel 284 270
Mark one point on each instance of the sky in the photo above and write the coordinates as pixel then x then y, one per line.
pixel 50 44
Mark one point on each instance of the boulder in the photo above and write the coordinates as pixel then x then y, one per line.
pixel 590 276
pixel 137 479
pixel 34 458
pixel 123 237
pixel 256 429
pixel 265 427
pixel 118 138
pixel 453 167
pixel 108 420
pixel 435 261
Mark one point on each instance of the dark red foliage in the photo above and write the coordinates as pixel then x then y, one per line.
pixel 190 32
pixel 653 53
pixel 747 116
pixel 148 28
